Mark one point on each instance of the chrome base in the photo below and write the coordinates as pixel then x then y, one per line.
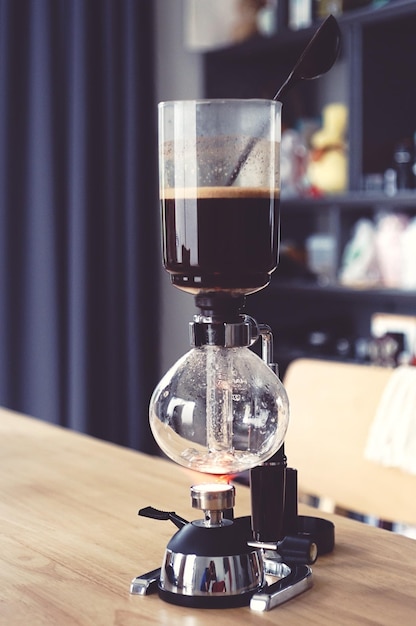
pixel 283 584
pixel 208 578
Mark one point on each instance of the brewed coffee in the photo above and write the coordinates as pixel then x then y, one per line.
pixel 220 238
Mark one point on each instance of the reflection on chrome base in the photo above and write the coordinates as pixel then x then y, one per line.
pixel 201 576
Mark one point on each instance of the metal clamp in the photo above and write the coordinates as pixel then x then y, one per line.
pixel 206 332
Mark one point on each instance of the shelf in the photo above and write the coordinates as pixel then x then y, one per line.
pixel 383 13
pixel 285 36
pixel 339 291
pixel 352 201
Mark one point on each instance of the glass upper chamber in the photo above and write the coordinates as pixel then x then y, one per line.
pixel 219 410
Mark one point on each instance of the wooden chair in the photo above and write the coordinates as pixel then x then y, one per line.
pixel 332 406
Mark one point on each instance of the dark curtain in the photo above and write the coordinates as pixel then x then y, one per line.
pixel 79 242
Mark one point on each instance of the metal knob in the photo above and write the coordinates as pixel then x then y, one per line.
pixel 213 499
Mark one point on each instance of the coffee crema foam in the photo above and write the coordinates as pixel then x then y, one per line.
pixel 183 193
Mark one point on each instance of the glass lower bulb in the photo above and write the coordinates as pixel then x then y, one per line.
pixel 219 410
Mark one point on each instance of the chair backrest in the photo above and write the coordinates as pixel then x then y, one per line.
pixel 332 406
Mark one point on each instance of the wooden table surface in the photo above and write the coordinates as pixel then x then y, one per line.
pixel 71 542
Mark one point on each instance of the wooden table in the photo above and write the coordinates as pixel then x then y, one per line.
pixel 71 542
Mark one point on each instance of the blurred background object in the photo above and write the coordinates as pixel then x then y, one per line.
pixel 216 24
pixel 381 252
pixel 328 168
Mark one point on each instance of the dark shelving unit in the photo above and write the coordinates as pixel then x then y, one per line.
pixel 377 62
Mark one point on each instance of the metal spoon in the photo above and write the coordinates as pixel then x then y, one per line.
pixel 317 58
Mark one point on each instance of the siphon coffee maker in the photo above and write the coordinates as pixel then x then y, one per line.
pixel 221 409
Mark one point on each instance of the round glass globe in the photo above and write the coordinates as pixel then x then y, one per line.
pixel 219 410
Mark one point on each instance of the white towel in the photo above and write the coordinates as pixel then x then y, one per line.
pixel 392 437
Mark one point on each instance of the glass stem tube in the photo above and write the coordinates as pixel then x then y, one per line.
pixel 219 400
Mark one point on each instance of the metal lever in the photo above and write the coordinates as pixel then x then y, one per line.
pixel 293 548
pixel 295 583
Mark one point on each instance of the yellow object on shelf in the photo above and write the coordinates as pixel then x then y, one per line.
pixel 327 169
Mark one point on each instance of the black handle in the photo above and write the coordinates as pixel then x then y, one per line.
pixel 150 511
